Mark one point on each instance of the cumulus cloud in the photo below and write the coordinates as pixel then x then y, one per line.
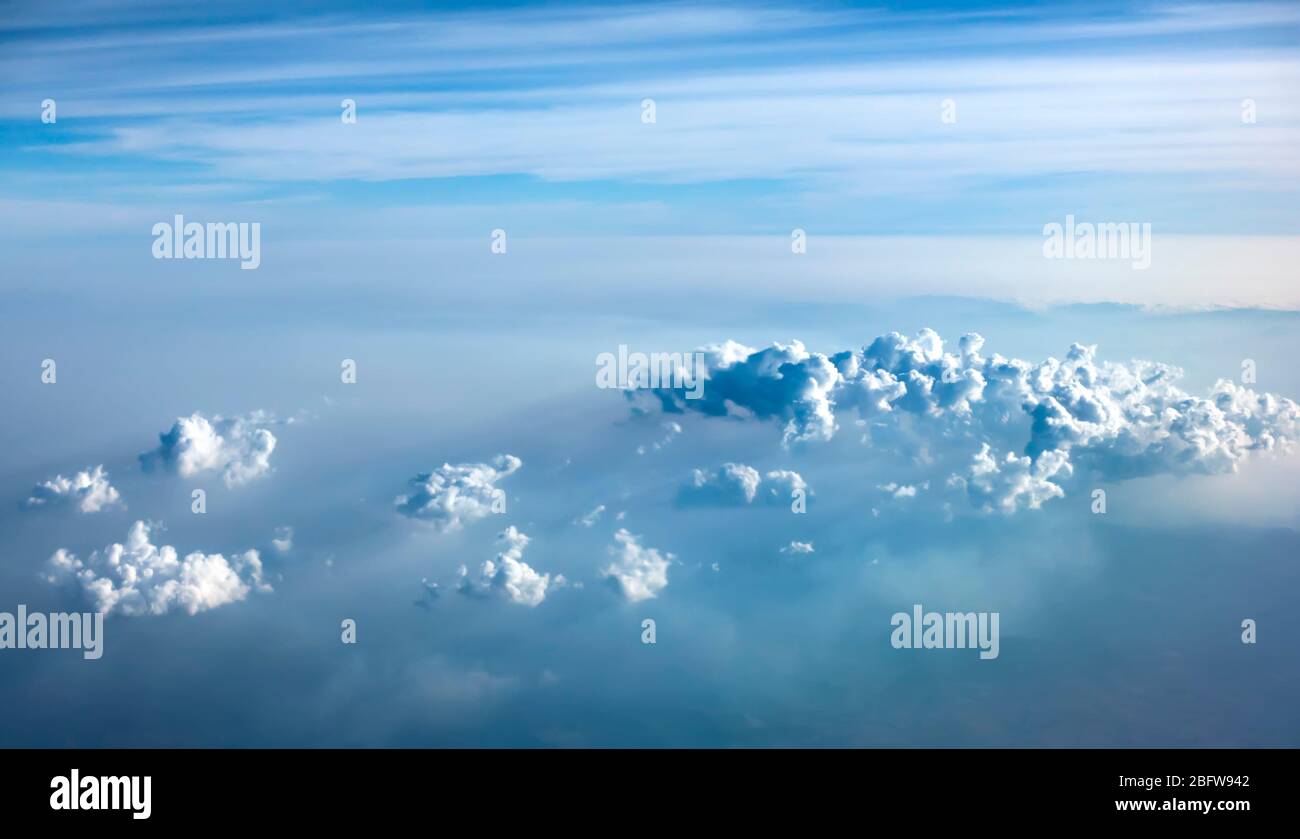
pixel 784 383
pixel 508 575
pixel 88 491
pixel 731 484
pixel 637 572
pixel 237 447
pixel 1008 432
pixel 898 491
pixel 140 578
pixel 452 496
pixel 798 548
pixel 781 485
pixel 736 485
pixel 1010 482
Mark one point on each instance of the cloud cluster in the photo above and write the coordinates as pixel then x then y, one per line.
pixel 637 572
pixel 237 447
pixel 736 485
pixel 89 491
pixel 1008 432
pixel 451 496
pixel 140 578
pixel 508 575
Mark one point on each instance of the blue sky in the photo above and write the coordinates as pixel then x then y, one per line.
pixel 1117 629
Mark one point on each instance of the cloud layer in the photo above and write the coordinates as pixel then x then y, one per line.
pixel 734 88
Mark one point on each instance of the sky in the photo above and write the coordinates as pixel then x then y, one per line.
pixel 395 419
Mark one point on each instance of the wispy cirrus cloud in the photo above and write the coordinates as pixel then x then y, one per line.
pixel 828 104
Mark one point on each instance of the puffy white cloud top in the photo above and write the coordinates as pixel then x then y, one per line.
pixel 453 495
pixel 88 491
pixel 638 573
pixel 786 383
pixel 1019 429
pixel 1012 482
pixel 508 575
pixel 735 485
pixel 140 578
pixel 238 447
pixel 731 484
pixel 781 485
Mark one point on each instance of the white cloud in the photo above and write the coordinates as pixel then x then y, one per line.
pixel 638 573
pixel 736 485
pixel 1010 483
pixel 969 414
pixel 591 518
pixel 798 548
pixel 451 496
pixel 671 430
pixel 238 447
pixel 782 382
pixel 88 491
pixel 140 578
pixel 731 484
pixel 782 484
pixel 508 575
pixel 283 541
pixel 897 490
